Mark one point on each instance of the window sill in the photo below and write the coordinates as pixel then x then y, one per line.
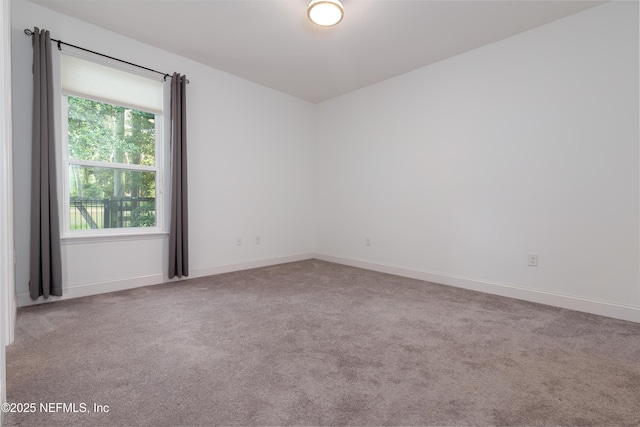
pixel 79 240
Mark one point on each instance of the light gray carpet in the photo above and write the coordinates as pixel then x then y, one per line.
pixel 315 343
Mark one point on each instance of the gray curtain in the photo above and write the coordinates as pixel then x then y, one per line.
pixel 45 266
pixel 179 226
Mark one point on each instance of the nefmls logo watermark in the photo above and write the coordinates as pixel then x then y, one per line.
pixel 64 407
pixel 54 407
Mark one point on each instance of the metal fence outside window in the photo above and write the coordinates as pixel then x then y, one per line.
pixel 117 212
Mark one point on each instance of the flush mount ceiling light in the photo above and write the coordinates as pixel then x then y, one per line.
pixel 325 12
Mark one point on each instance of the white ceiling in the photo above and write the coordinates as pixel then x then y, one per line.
pixel 272 43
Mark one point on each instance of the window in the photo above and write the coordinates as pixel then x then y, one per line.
pixel 111 149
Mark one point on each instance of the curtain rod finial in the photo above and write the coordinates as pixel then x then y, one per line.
pixel 28 32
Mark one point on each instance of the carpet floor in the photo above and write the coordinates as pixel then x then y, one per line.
pixel 316 343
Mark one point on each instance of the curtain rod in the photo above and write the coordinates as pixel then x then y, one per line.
pixel 60 42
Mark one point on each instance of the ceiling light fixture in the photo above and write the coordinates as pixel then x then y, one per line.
pixel 325 12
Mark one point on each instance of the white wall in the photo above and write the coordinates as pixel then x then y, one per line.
pixel 250 169
pixel 7 288
pixel 458 170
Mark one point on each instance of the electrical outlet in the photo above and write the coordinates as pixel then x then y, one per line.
pixel 239 241
pixel 367 241
pixel 258 240
pixel 533 260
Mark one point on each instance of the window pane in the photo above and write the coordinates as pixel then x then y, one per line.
pixel 109 133
pixel 111 198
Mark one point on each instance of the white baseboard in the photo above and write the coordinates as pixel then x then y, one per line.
pixel 602 308
pixel 88 289
pixel 246 265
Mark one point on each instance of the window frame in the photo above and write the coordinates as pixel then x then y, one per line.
pixel 65 162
